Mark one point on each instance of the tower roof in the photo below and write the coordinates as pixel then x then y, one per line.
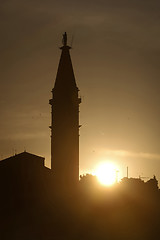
pixel 65 78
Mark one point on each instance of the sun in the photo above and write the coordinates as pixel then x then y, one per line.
pixel 106 173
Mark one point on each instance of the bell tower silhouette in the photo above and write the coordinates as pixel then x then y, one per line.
pixel 65 122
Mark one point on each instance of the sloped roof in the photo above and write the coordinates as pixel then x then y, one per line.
pixel 22 155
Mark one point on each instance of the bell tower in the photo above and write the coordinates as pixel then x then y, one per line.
pixel 65 122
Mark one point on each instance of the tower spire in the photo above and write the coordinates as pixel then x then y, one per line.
pixel 65 78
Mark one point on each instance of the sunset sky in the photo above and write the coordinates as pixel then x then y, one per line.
pixel 116 60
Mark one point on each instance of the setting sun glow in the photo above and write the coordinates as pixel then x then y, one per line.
pixel 107 173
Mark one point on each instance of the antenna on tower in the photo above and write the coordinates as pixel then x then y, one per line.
pixel 127 171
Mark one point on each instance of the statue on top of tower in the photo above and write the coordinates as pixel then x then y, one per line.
pixel 64 40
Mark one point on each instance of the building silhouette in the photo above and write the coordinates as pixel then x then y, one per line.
pixel 65 122
pixel 21 177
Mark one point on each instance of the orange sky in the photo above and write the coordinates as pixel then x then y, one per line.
pixel 116 46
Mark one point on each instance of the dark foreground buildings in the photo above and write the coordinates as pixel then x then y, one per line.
pixel 37 203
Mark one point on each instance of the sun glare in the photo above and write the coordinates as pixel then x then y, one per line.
pixel 107 173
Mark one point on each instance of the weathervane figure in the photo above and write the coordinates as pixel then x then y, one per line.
pixel 64 40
